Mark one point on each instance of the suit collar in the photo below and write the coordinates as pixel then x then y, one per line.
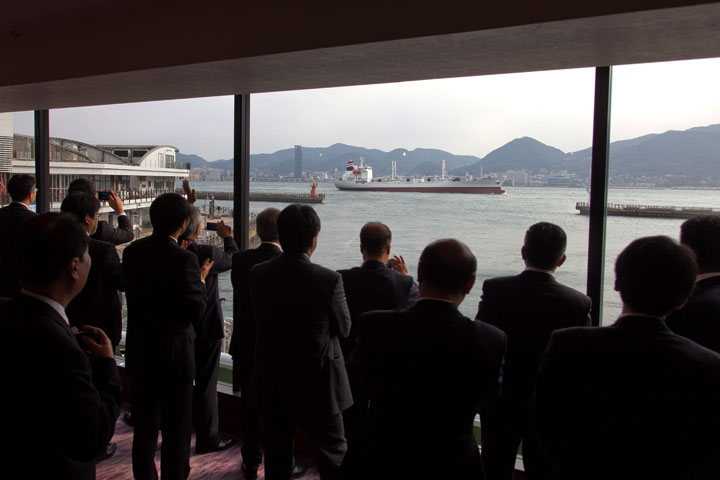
pixel 270 246
pixel 435 304
pixel 31 302
pixel 538 275
pixel 49 302
pixel 373 265
pixel 19 205
pixel 637 322
pixel 298 257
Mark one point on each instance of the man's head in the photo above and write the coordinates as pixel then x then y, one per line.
pixel 446 269
pixel 298 228
pixel 169 214
pixel 544 246
pixel 22 188
pixel 375 239
pixel 266 224
pixel 52 255
pixel 193 227
pixel 702 235
pixel 654 275
pixel 84 208
pixel 82 185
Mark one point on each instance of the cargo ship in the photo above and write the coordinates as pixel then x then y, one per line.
pixel 360 178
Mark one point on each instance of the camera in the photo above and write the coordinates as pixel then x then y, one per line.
pixel 92 334
pixel 211 226
pixel 104 195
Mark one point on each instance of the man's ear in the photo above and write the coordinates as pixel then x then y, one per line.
pixel 617 285
pixel 562 260
pixel 197 230
pixel 88 220
pixel 388 248
pixel 469 285
pixel 73 268
pixel 522 252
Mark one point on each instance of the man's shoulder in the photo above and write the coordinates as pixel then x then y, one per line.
pixel 14 212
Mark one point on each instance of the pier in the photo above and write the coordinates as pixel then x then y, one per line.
pixel 263 197
pixel 649 211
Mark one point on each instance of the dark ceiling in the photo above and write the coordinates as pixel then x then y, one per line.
pixel 90 52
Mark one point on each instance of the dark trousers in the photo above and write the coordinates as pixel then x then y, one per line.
pixel 249 415
pixel 502 430
pixel 161 404
pixel 205 401
pixel 325 435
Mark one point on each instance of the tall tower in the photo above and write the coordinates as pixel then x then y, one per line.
pixel 298 162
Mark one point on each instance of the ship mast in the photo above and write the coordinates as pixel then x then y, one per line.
pixel 393 173
pixel 444 169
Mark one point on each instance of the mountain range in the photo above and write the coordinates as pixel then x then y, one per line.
pixel 692 154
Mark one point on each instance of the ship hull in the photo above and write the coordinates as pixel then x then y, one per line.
pixel 449 187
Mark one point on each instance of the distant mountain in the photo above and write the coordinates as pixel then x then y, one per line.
pixel 692 155
pixel 521 153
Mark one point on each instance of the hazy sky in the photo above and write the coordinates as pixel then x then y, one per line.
pixel 472 115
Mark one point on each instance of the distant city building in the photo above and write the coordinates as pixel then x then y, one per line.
pixel 517 177
pixel 298 162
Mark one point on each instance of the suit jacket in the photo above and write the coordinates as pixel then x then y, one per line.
pixel 242 343
pixel 427 371
pixel 212 326
pixel 98 304
pixel 528 307
pixel 300 314
pixel 632 400
pixel 106 233
pixel 165 300
pixel 699 319
pixel 374 286
pixel 51 392
pixel 11 217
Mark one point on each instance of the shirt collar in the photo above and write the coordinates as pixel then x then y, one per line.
pixel 705 276
pixel 174 239
pixel 55 305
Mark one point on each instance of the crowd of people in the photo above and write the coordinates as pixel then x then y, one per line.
pixel 382 374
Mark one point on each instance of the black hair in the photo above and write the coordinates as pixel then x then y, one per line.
pixel 46 244
pixel 266 224
pixel 544 245
pixel 20 186
pixel 82 185
pixel 375 238
pixel 702 235
pixel 168 212
pixel 297 226
pixel 79 205
pixel 655 275
pixel 447 265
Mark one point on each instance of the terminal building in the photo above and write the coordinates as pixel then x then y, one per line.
pixel 137 173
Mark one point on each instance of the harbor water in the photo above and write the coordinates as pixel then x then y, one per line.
pixel 493 226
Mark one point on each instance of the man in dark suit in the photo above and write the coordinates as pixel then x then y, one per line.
pixel 22 193
pixel 632 400
pixel 105 231
pixel 210 331
pixel 528 307
pixel 166 299
pixel 298 372
pixel 242 344
pixel 372 286
pixel 98 304
pixel 52 390
pixel 427 371
pixel 699 318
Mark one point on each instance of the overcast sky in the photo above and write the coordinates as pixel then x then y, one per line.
pixel 472 115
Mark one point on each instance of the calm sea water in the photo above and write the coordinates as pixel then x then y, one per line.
pixel 493 226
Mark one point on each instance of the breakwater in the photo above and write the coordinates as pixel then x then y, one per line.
pixel 649 211
pixel 264 197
